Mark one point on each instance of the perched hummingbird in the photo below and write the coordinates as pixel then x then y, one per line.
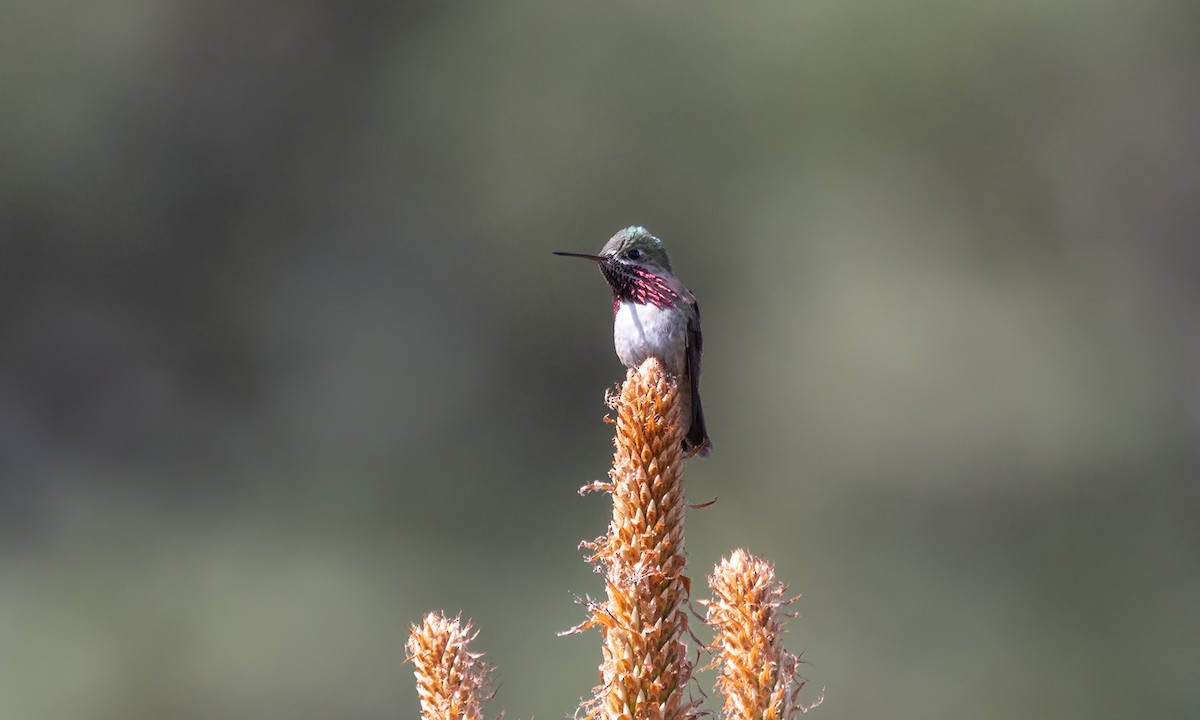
pixel 654 315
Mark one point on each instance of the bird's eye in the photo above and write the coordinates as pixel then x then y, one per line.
pixel 634 254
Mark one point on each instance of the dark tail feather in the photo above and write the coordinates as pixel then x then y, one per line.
pixel 696 442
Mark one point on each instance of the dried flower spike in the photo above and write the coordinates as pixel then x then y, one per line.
pixel 645 669
pixel 451 680
pixel 759 677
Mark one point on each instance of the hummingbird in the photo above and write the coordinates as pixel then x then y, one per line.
pixel 655 315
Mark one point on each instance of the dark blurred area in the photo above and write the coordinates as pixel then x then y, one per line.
pixel 285 360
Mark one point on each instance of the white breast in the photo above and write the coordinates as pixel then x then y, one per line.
pixel 641 331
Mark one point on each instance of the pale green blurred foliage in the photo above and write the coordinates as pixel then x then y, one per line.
pixel 286 361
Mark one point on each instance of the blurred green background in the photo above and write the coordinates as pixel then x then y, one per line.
pixel 286 361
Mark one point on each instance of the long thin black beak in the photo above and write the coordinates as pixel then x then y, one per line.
pixel 585 256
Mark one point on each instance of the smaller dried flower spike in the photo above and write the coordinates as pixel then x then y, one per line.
pixel 451 680
pixel 759 677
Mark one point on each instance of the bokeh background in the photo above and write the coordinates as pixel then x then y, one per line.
pixel 285 360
